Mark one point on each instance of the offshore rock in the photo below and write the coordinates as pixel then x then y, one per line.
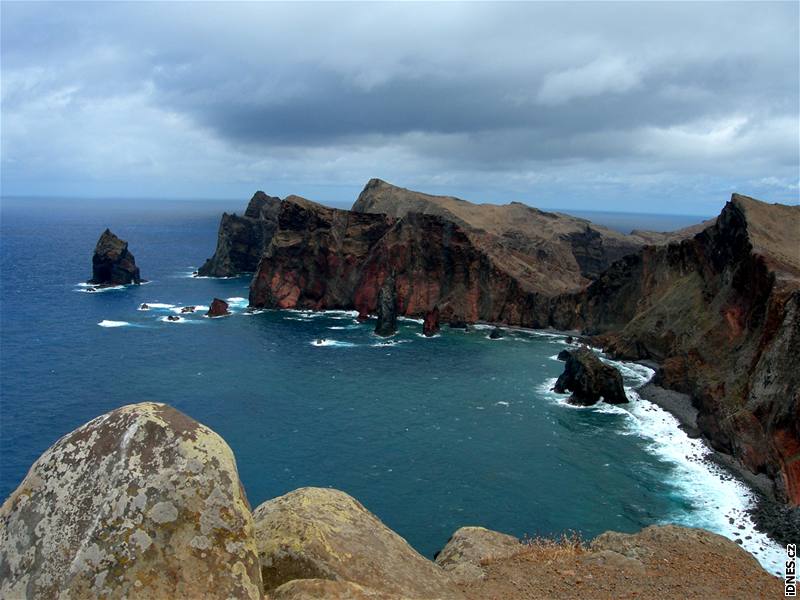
pixel 387 308
pixel 318 533
pixel 469 548
pixel 496 333
pixel 140 502
pixel 589 379
pixel 112 262
pixel 241 240
pixel 218 308
pixel 430 326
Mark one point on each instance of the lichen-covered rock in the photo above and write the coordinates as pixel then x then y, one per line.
pixel 140 502
pixel 112 262
pixel 469 547
pixel 325 589
pixel 589 379
pixel 218 308
pixel 656 539
pixel 317 533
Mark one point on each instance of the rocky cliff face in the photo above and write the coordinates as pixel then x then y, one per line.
pixel 144 502
pixel 112 262
pixel 241 240
pixel 720 312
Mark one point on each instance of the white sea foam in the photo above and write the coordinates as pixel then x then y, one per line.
pixel 88 288
pixel 428 337
pixel 107 323
pixel 388 343
pixel 332 343
pixel 157 305
pixel 716 496
pixel 411 320
pixel 337 327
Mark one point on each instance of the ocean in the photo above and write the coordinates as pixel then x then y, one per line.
pixel 429 434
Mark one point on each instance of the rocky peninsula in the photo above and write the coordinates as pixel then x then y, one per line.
pixel 146 502
pixel 714 307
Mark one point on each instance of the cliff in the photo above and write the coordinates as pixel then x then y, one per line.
pixel 241 240
pixel 721 313
pixel 145 502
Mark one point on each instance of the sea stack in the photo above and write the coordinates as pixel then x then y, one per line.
pixel 589 379
pixel 387 308
pixel 430 326
pixel 112 263
pixel 218 308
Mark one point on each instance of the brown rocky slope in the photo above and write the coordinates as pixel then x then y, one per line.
pixel 145 502
pixel 720 312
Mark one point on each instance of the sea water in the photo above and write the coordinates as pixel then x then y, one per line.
pixel 431 434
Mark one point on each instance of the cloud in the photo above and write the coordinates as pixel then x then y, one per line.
pixel 606 75
pixel 568 104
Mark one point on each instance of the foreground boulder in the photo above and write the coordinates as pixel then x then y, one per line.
pixel 470 548
pixel 316 533
pixel 112 262
pixel 140 502
pixel 387 308
pixel 218 308
pixel 589 379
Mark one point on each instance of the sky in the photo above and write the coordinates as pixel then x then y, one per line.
pixel 636 107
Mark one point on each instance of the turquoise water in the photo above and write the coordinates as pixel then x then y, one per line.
pixel 430 434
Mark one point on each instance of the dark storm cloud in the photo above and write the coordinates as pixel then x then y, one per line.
pixel 550 99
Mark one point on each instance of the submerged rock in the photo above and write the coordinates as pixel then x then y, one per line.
pixel 496 333
pixel 112 262
pixel 140 502
pixel 144 306
pixel 218 308
pixel 317 533
pixel 430 325
pixel 469 548
pixel 589 379
pixel 387 308
pixel 188 309
pixel 173 318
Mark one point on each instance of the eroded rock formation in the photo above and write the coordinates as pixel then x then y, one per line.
pixel 387 308
pixel 241 240
pixel 218 308
pixel 113 263
pixel 590 379
pixel 430 325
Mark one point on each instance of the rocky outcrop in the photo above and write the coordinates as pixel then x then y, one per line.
pixel 496 333
pixel 387 308
pixel 721 313
pixel 657 562
pixel 218 308
pixel 430 324
pixel 113 263
pixel 470 548
pixel 140 502
pixel 317 533
pixel 242 240
pixel 325 589
pixel 589 379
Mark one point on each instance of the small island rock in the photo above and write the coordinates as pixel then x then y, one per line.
pixel 496 333
pixel 430 325
pixel 589 379
pixel 112 262
pixel 387 308
pixel 218 308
